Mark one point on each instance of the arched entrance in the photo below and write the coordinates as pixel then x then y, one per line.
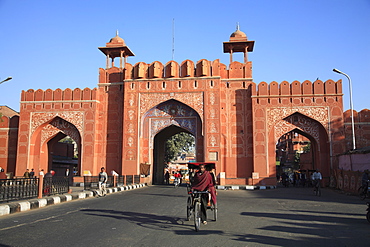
pixel 298 128
pixel 44 140
pixel 159 151
pixel 163 121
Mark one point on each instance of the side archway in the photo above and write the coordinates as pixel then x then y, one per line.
pixel 44 138
pixel 311 129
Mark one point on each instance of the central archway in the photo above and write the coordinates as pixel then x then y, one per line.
pixel 159 151
pixel 160 123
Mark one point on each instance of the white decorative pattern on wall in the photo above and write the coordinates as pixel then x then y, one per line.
pixel 194 100
pixel 74 117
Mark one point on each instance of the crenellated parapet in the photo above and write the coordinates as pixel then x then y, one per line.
pixel 361 127
pixel 58 99
pixel 297 93
pixel 362 116
pixel 58 95
pixel 172 69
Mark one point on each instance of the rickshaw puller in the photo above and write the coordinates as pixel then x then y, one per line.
pixel 202 182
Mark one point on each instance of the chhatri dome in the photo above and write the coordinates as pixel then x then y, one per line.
pixel 116 47
pixel 238 35
pixel 116 41
pixel 238 43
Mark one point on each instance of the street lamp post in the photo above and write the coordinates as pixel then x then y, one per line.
pixel 7 79
pixel 351 106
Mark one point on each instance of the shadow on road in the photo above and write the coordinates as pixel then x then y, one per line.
pixel 310 227
pixel 320 219
pixel 158 222
pixel 142 219
pixel 307 194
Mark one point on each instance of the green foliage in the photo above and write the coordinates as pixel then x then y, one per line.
pixel 307 148
pixel 179 143
pixel 297 158
pixel 67 139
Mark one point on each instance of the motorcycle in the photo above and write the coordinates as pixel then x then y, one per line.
pixel 368 212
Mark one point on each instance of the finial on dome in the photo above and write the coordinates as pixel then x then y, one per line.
pixel 117 32
pixel 237 26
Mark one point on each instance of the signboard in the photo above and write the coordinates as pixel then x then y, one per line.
pixel 213 156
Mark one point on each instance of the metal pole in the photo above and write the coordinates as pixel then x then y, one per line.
pixel 351 106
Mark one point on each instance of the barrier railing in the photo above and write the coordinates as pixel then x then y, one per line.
pixel 55 185
pixel 136 179
pixel 92 182
pixel 120 180
pixel 129 179
pixel 18 188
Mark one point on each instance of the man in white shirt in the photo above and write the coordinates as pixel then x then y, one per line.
pixel 316 178
pixel 103 178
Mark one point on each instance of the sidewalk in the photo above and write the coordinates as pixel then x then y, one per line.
pixel 77 193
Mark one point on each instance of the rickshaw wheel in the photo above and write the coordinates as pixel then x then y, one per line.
pixel 188 209
pixel 197 212
pixel 214 209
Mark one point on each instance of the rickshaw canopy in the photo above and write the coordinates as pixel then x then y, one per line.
pixel 208 165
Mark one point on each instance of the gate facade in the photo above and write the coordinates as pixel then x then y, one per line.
pixel 236 123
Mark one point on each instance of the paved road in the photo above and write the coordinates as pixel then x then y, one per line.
pixel 155 216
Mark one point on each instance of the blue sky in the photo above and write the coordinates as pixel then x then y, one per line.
pixel 53 44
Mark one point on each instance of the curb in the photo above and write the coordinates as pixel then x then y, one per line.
pixel 21 206
pixel 244 187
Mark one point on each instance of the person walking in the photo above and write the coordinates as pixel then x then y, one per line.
pixel 316 180
pixel 103 178
pixel 167 177
pixel 26 174
pixel 32 173
pixel 365 184
pixel 316 177
pixel 365 178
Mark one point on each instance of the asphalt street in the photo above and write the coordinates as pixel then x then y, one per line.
pixel 155 216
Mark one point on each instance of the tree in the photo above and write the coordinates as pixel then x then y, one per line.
pixel 67 139
pixel 180 143
pixel 307 148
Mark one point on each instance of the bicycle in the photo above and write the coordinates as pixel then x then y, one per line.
pixel 194 204
pixel 317 188
pixel 363 191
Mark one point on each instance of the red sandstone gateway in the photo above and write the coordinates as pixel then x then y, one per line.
pixel 125 121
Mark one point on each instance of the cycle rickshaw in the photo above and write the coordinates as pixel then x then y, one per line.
pixel 194 200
